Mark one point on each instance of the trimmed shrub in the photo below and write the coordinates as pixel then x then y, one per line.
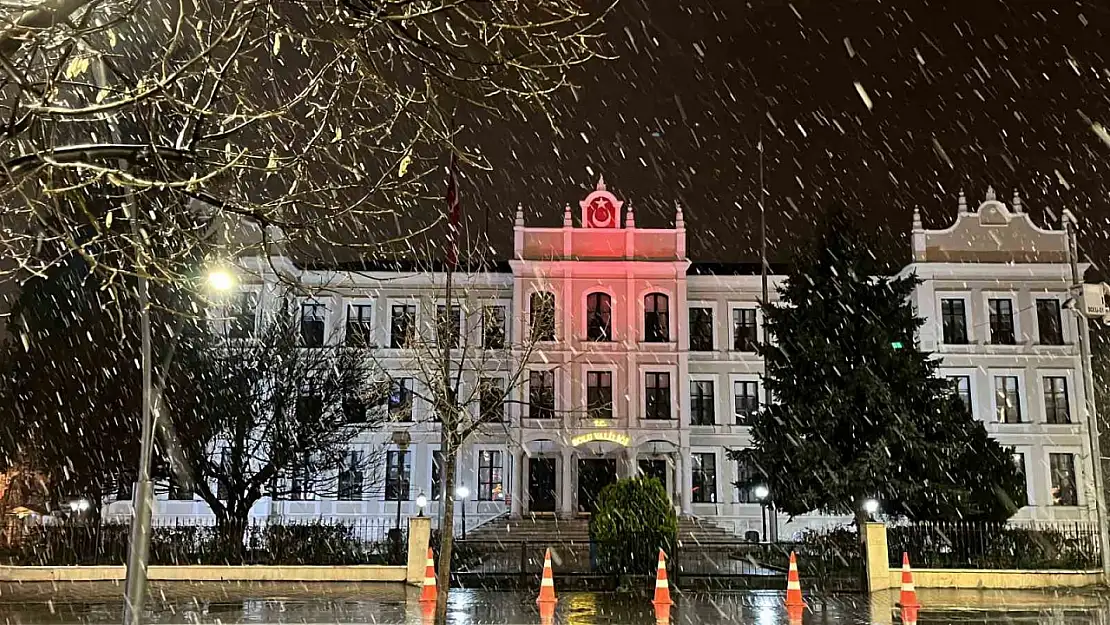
pixel 634 520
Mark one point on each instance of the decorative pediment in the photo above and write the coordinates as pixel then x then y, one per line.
pixel 601 209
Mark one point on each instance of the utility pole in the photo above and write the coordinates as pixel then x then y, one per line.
pixel 1090 411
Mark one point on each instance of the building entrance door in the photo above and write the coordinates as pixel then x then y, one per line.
pixel 541 485
pixel 594 474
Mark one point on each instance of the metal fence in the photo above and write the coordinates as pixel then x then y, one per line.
pixel 824 562
pixel 203 541
pixel 828 564
pixel 1058 546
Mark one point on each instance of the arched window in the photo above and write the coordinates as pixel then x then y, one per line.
pixel 657 327
pixel 599 317
pixel 542 311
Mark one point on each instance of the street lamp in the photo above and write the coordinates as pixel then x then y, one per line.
pixel 870 506
pixel 421 501
pixel 462 493
pixel 139 548
pixel 401 438
pixel 761 492
pixel 220 280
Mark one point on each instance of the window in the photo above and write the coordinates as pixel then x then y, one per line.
pixel 953 316
pixel 178 489
pixel 961 386
pixel 360 329
pixel 1056 399
pixel 400 399
pixel 1002 321
pixel 125 487
pixel 491 399
pixel 489 476
pixel 309 409
pixel 704 467
pixel 301 485
pixel 541 394
pixel 1007 399
pixel 657 398
pixel 744 331
pixel 402 325
pixel 599 394
pixel 1049 326
pixel 746 482
pixel 599 317
pixel 242 312
pixel 350 477
pixel 448 325
pixel 1061 468
pixel 701 403
pixel 542 310
pixel 745 394
pixel 701 329
pixel 1019 464
pixel 657 327
pixel 354 409
pixel 398 469
pixel 312 324
pixel 493 327
pixel 437 475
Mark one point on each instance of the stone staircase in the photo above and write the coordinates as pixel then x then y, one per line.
pixel 544 528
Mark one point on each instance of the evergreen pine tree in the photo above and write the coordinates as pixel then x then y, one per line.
pixel 858 410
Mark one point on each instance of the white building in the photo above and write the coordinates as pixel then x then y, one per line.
pixel 649 363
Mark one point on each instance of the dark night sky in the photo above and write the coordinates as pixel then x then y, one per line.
pixel 995 85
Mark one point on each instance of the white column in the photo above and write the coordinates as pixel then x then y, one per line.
pixel 516 505
pixel 566 487
pixel 628 458
pixel 686 480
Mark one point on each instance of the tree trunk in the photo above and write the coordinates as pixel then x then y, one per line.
pixel 230 528
pixel 447 521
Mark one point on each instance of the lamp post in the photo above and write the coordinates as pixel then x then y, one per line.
pixel 761 494
pixel 462 493
pixel 139 549
pixel 401 438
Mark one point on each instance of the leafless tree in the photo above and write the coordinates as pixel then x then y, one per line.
pixel 466 364
pixel 271 411
pixel 317 116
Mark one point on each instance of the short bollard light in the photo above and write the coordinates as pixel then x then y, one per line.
pixel 421 502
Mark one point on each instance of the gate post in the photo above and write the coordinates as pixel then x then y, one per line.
pixel 876 559
pixel 420 534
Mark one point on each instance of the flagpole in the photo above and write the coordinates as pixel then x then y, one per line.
pixel 762 222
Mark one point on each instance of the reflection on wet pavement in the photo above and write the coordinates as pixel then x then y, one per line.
pixel 214 603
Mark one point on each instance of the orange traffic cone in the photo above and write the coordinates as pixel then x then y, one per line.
pixel 909 616
pixel 662 614
pixel 547 613
pixel 793 585
pixel 430 592
pixel 662 587
pixel 908 598
pixel 428 612
pixel 547 584
pixel 794 614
